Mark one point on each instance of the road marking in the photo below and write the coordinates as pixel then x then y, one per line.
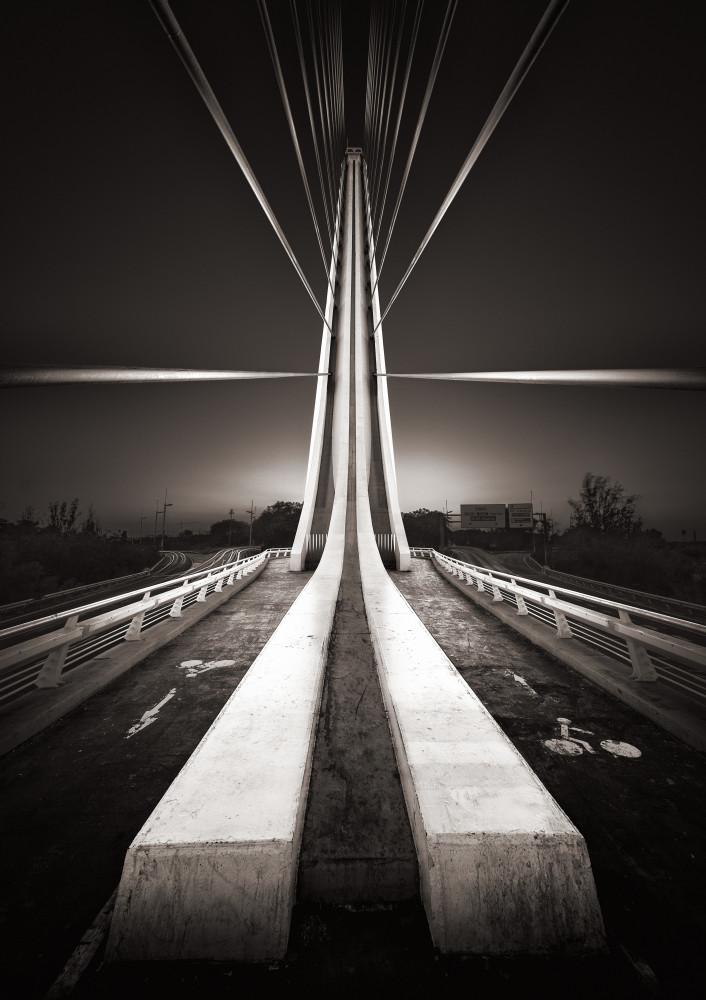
pixel 150 716
pixel 522 681
pixel 195 667
pixel 619 749
pixel 571 746
pixel 565 747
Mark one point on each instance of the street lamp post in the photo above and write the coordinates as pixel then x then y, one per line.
pixel 251 512
pixel 164 517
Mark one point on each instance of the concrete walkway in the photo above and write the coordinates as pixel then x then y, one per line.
pixel 644 818
pixel 75 795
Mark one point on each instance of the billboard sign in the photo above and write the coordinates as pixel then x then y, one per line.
pixel 520 515
pixel 483 515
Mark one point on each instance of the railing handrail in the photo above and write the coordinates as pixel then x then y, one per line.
pixel 591 598
pixel 194 575
pixel 25 652
pixel 622 626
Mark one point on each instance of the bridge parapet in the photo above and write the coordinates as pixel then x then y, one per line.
pixel 654 646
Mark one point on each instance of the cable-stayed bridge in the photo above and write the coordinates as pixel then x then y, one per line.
pixel 501 869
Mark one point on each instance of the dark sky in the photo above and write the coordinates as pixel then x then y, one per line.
pixel 131 237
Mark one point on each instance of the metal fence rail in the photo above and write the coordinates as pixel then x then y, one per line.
pixel 32 660
pixel 657 647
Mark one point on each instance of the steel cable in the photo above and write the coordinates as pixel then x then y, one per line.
pixel 534 46
pixel 385 76
pixel 377 54
pixel 325 88
pixel 327 158
pixel 183 49
pixel 378 94
pixel 307 93
pixel 393 78
pixel 24 376
pixel 403 96
pixel 269 35
pixel 441 44
pixel 617 378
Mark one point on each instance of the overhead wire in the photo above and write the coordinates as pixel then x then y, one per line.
pixel 176 36
pixel 532 49
pixel 271 44
pixel 436 63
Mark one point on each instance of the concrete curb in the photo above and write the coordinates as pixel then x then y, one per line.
pixel 677 715
pixel 39 708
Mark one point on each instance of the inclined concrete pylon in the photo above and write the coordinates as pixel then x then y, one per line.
pixel 213 872
pixel 325 448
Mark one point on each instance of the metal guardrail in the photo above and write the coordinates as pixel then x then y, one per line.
pixel 40 661
pixel 677 659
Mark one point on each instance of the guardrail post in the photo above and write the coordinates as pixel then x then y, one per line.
pixel 231 578
pixel 497 596
pixel 521 606
pixel 480 585
pixel 176 607
pixel 643 669
pixel 50 673
pixel 563 629
pixel 202 593
pixel 219 586
pixel 135 626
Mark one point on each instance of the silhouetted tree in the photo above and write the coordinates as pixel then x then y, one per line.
pixel 91 525
pixel 277 524
pixel 425 527
pixel 62 516
pixel 605 507
pixel 238 531
pixel 28 521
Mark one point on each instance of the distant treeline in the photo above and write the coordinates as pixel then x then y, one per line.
pixel 38 559
pixel 642 561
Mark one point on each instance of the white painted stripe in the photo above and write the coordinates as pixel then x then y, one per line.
pixel 150 716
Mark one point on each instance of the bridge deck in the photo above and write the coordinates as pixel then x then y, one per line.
pixel 76 794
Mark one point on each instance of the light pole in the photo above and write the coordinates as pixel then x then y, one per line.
pixel 251 511
pixel 164 516
pixel 143 517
